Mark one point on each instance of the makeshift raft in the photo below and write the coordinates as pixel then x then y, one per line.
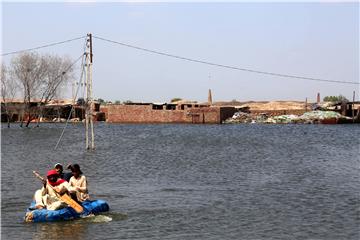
pixel 64 214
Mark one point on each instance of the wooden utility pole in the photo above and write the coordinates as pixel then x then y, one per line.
pixel 89 125
pixel 73 102
pixel 353 106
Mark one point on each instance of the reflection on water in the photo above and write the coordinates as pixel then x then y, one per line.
pixel 60 230
pixel 193 181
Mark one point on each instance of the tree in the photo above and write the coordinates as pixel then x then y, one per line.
pixel 58 71
pixel 175 100
pixel 80 101
pixel 117 102
pixel 28 68
pixel 39 76
pixel 101 101
pixel 8 91
pixel 126 102
pixel 339 98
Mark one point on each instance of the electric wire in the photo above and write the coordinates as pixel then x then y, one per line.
pixel 225 66
pixel 75 96
pixel 72 107
pixel 43 46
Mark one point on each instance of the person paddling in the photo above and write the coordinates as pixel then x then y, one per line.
pixel 78 184
pixel 47 196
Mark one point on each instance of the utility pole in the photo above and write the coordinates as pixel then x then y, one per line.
pixel 353 106
pixel 73 100
pixel 89 125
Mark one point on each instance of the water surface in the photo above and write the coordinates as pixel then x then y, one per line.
pixel 193 181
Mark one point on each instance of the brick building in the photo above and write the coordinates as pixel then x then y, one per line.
pixel 166 113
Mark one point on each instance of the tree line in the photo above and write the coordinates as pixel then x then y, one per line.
pixel 33 77
pixel 339 98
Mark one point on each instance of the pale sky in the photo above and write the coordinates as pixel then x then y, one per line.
pixel 317 40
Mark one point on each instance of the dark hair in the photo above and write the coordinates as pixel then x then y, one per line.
pixel 76 168
pixel 57 165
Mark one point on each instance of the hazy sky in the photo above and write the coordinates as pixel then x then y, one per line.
pixel 319 40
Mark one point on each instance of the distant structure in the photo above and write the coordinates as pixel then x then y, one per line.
pixel 318 98
pixel 209 98
pixel 166 113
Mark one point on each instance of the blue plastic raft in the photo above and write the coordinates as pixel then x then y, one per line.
pixel 43 215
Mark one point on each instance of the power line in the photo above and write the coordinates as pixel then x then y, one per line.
pixel 43 46
pixel 74 98
pixel 225 66
pixel 67 69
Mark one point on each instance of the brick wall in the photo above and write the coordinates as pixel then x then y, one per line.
pixel 146 114
pixel 205 115
pixel 143 114
pixel 104 109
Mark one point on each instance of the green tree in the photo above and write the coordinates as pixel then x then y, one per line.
pixel 176 99
pixel 117 102
pixel 339 98
pixel 101 101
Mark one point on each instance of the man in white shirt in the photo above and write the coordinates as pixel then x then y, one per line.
pixel 47 196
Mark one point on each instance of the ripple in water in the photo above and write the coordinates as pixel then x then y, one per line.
pixel 97 218
pixel 193 181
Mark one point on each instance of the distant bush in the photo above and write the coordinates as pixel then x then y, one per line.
pixel 80 101
pixel 176 99
pixel 101 101
pixel 339 98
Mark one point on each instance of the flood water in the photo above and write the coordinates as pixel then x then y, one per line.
pixel 192 181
